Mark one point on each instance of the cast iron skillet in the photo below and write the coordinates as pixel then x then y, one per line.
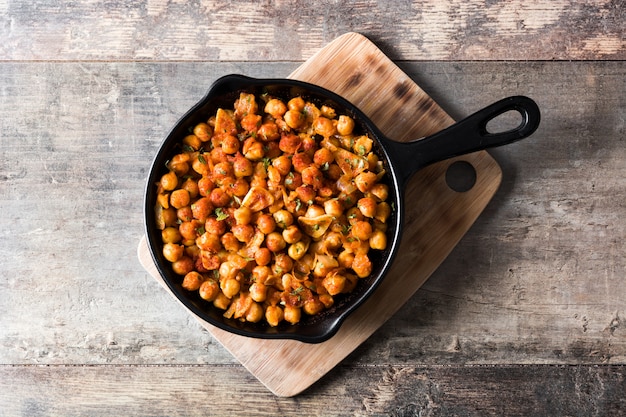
pixel 401 160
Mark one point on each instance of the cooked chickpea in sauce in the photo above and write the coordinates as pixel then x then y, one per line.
pixel 270 209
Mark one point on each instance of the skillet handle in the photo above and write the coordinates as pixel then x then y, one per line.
pixel 467 136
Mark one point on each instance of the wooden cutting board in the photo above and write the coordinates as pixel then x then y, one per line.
pixel 435 220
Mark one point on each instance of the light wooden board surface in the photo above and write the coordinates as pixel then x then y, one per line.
pixel 437 216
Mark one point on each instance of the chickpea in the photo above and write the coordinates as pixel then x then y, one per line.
pixel 193 142
pixel 219 197
pixel 301 161
pixel 292 234
pixel 373 162
pixel 205 185
pixel 292 314
pixel 324 126
pixel 192 281
pixel 230 287
pixel 311 111
pixel 378 240
pixel 275 242
pixel 362 265
pixel 243 215
pixel 309 145
pixel 323 157
pixel 173 252
pixel 217 155
pixel 293 180
pixel 242 166
pixel 266 223
pixel 297 250
pixel 209 261
pixel 180 164
pixel 362 230
pixel 223 170
pixel 268 132
pixel 230 145
pixel 243 232
pixel 333 207
pixel 274 315
pixel 367 206
pixel 327 300
pixel 296 103
pixel 365 180
pixel 202 209
pixel 313 306
pixel 214 226
pixel 253 149
pixel 191 186
pixel 282 164
pixel 258 292
pixel 209 242
pixel 230 242
pixel 169 181
pixel 189 230
pixel 183 266
pixel 333 240
pixel 254 313
pixel 203 131
pixel 260 275
pixel 283 262
pixel 272 149
pixel 380 191
pixel 306 194
pixel 283 218
pixel 289 143
pixel 163 204
pixel 294 119
pixel 276 108
pixel 328 112
pixel 263 256
pixel 334 283
pixel 171 235
pixel 240 187
pixel 209 290
pixel 201 165
pixel 312 176
pixel 345 125
pixel 383 211
pixel 345 259
pixel 221 301
pixel 184 214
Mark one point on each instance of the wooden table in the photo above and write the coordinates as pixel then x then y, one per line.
pixel 525 317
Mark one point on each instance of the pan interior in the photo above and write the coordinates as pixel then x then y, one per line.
pixel 310 329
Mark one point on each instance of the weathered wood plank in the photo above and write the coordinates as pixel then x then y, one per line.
pixel 269 31
pixel 348 391
pixel 538 279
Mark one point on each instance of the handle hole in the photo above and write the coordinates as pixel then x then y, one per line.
pixel 461 176
pixel 505 122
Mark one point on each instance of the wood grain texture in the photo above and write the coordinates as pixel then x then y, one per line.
pixel 394 390
pixel 231 30
pixel 538 279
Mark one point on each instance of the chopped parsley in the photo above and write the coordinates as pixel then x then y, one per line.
pixel 221 214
